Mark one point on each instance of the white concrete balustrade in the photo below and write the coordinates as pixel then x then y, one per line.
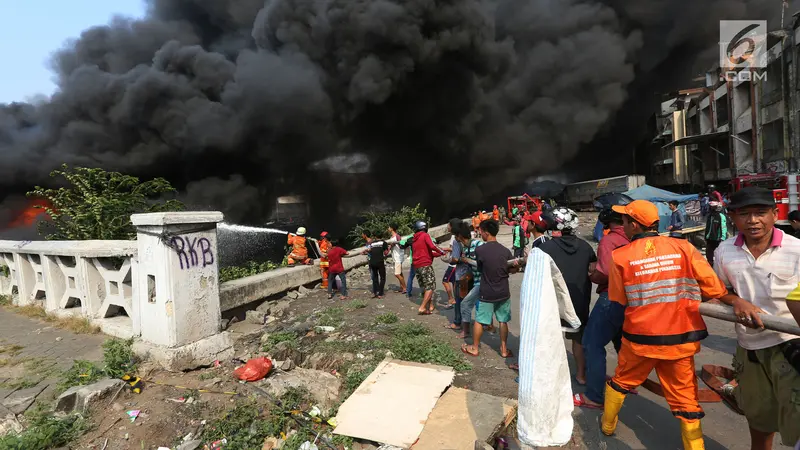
pixel 162 288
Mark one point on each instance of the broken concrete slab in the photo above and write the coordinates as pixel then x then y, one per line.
pixel 256 317
pixel 19 401
pixel 323 386
pixel 478 417
pixel 288 365
pixel 79 398
pixel 393 403
pixel 286 350
pixel 9 424
pixel 202 353
pixel 328 361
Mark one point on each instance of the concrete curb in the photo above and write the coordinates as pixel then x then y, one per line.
pixel 235 293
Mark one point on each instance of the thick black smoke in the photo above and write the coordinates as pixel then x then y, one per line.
pixel 238 101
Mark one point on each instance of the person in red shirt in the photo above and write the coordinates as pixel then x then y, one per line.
pixel 423 251
pixel 336 268
pixel 605 321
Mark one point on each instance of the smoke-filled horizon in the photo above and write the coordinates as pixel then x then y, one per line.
pixel 353 102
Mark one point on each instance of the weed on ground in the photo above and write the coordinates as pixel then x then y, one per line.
pixel 357 304
pixel 75 324
pixel 331 317
pixel 45 431
pixel 276 338
pixel 386 318
pixel 118 360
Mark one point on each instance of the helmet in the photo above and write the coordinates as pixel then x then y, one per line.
pixel 565 219
pixel 711 187
pixel 301 231
pixel 323 234
pixel 420 225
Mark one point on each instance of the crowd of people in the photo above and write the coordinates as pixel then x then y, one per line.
pixel 650 288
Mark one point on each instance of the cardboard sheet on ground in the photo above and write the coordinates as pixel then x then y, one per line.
pixel 393 403
pixel 476 416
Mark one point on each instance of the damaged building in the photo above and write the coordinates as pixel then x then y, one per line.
pixel 739 126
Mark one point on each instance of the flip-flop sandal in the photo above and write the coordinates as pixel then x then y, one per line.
pixel 451 306
pixel 467 352
pixel 514 367
pixel 579 383
pixel 509 354
pixel 423 313
pixel 577 400
pixel 453 326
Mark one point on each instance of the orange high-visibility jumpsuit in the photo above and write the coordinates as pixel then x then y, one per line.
pixel 299 253
pixel 324 246
pixel 476 222
pixel 661 281
pixel 496 214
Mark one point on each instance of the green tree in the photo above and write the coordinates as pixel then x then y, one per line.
pixel 97 204
pixel 375 224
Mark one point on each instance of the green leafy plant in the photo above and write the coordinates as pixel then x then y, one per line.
pixel 386 318
pixel 118 360
pixel 276 338
pixel 376 223
pixel 357 304
pixel 97 204
pixel 118 357
pixel 246 270
pixel 5 300
pixel 331 317
pixel 413 341
pixel 5 271
pixel 45 431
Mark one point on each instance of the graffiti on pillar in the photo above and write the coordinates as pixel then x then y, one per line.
pixel 192 252
pixel 776 166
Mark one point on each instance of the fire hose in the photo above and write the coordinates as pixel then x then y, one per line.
pixel 720 380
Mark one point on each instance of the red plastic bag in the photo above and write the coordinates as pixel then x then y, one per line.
pixel 254 370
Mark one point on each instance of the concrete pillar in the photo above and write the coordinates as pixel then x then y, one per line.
pixel 176 289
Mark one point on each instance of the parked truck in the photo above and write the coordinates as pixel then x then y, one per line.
pixel 579 196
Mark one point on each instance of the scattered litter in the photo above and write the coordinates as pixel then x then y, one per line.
pixel 216 445
pixel 217 363
pixel 315 411
pixel 190 400
pixel 177 400
pixel 324 329
pixel 360 356
pixel 332 422
pixel 126 436
pixel 163 448
pixel 254 370
pixel 58 339
pixel 133 414
pixel 307 445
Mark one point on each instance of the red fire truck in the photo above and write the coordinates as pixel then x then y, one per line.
pixel 524 201
pixel 784 189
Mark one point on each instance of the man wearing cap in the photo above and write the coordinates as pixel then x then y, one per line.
pixel 661 282
pixel 299 252
pixel 761 265
pixel 605 320
pixel 537 227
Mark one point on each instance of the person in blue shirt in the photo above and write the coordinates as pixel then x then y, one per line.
pixel 675 221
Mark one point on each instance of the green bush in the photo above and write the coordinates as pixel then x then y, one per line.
pixel 5 271
pixel 276 338
pixel 98 204
pixel 376 223
pixel 246 270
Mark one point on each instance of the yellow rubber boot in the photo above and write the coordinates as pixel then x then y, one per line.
pixel 611 407
pixel 692 435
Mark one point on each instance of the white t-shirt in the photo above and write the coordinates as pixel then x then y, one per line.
pixel 765 282
pixel 397 251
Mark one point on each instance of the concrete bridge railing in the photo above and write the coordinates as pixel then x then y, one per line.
pixel 161 289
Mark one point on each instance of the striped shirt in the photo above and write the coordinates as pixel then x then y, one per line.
pixel 765 282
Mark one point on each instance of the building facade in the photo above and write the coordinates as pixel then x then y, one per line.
pixel 739 123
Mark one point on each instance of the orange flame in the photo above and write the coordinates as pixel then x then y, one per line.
pixel 32 213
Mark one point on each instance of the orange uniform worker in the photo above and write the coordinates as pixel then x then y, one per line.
pixel 496 213
pixel 660 281
pixel 324 246
pixel 299 252
pixel 476 221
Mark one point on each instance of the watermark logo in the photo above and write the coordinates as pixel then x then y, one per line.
pixel 742 50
